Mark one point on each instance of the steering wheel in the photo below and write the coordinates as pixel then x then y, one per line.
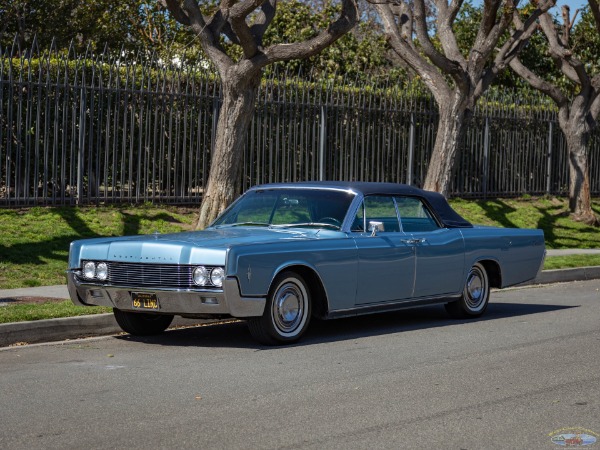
pixel 331 220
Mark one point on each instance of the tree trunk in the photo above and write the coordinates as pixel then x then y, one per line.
pixel 224 178
pixel 454 115
pixel 580 198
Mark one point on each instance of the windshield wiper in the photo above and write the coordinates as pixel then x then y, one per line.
pixel 307 224
pixel 243 224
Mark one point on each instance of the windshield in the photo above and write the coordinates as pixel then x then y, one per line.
pixel 288 208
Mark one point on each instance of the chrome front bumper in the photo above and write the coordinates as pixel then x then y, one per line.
pixel 172 301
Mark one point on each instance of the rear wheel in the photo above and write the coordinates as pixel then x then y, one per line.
pixel 287 312
pixel 475 297
pixel 142 324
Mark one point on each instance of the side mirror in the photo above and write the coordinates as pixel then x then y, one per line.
pixel 375 227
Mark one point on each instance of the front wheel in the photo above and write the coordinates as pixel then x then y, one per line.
pixel 142 324
pixel 475 296
pixel 287 312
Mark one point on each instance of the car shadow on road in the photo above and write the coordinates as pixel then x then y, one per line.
pixel 235 334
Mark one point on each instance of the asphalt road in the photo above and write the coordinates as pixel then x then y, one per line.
pixel 405 380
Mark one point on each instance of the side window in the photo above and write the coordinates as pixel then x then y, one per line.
pixel 358 224
pixel 381 209
pixel 414 215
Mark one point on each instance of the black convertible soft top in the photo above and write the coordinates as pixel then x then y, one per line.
pixel 437 202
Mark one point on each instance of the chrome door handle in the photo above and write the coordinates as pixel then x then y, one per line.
pixel 412 241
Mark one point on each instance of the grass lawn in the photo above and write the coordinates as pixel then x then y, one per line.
pixel 21 312
pixel 548 213
pixel 35 242
pixel 563 262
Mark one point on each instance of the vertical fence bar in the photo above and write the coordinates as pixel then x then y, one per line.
pixel 81 144
pixel 411 151
pixel 322 143
pixel 549 158
pixel 486 157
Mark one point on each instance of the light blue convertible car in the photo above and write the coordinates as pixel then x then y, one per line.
pixel 283 253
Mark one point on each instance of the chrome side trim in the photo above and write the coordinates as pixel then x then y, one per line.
pixel 389 307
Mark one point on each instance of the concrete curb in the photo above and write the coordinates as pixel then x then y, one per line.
pixel 105 324
pixel 70 328
pixel 563 275
pixel 57 329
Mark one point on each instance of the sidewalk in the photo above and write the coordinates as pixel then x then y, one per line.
pixel 59 291
pixel 105 324
pixel 573 251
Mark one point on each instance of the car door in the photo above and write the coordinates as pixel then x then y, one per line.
pixel 439 251
pixel 386 261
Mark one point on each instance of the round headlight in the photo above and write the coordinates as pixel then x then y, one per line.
pixel 89 270
pixel 217 276
pixel 102 271
pixel 200 276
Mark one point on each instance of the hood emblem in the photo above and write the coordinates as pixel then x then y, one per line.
pixel 141 258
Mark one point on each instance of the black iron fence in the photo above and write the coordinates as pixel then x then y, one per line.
pixel 84 129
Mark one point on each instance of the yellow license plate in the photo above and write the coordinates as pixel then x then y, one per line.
pixel 144 300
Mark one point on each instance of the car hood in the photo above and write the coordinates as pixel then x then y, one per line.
pixel 195 247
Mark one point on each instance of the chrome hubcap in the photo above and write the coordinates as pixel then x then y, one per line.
pixel 476 289
pixel 288 307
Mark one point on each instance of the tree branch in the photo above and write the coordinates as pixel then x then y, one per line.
pixel 300 50
pixel 400 39
pixel 511 48
pixel 538 83
pixel 218 25
pixel 175 8
pixel 445 64
pixel 238 14
pixel 595 107
pixel 189 14
pixel 243 8
pixel 489 33
pixel 445 19
pixel 595 12
pixel 566 33
pixel 194 14
pixel 569 65
pixel 263 20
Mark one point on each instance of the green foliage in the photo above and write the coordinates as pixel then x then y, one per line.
pixel 358 54
pixel 93 25
pixel 586 41
pixel 466 26
pixel 137 72
pixel 135 27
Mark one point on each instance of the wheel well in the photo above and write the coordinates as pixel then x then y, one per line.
pixel 494 274
pixel 317 291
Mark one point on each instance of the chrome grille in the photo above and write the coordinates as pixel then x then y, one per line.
pixel 151 275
